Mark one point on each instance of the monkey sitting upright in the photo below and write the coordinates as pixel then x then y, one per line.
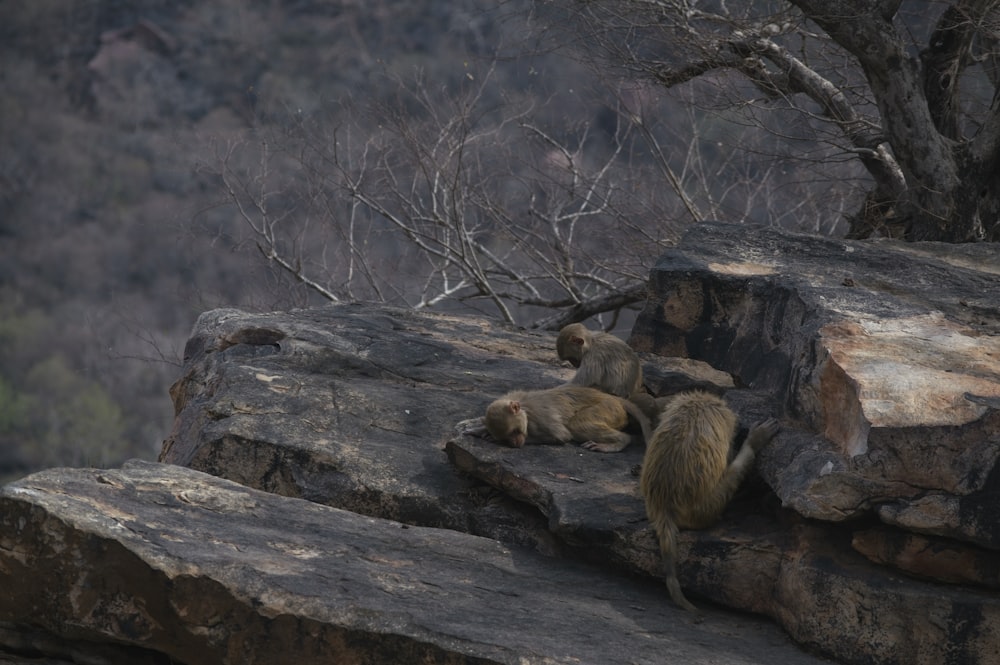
pixel 559 415
pixel 605 362
pixel 687 478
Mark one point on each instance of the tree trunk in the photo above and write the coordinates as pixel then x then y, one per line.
pixel 951 190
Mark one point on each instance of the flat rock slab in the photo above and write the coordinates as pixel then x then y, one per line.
pixel 807 577
pixel 890 350
pixel 166 564
pixel 591 500
pixel 351 406
pixel 592 504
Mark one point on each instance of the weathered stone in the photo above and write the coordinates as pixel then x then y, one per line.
pixel 930 558
pixel 879 617
pixel 667 376
pixel 165 564
pixel 888 349
pixel 758 559
pixel 313 404
pixel 591 501
pixel 350 407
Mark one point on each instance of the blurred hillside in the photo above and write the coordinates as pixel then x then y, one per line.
pixel 112 240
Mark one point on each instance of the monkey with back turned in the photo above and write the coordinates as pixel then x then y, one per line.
pixel 687 478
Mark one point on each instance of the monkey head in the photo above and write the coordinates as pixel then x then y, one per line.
pixel 507 422
pixel 572 343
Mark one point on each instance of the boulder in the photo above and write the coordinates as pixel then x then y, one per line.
pixel 928 557
pixel 376 394
pixel 890 350
pixel 323 440
pixel 350 406
pixel 759 558
pixel 156 563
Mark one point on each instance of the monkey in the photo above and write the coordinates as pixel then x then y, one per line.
pixel 605 362
pixel 686 478
pixel 560 415
pixel 601 360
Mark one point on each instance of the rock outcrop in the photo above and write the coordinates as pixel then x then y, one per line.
pixel 156 563
pixel 890 350
pixel 313 499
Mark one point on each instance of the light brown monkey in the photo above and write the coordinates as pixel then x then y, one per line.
pixel 605 362
pixel 563 414
pixel 601 360
pixel 687 478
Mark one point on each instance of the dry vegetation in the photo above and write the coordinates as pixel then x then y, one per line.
pixel 158 159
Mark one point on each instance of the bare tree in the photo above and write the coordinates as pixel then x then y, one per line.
pixel 454 199
pixel 908 90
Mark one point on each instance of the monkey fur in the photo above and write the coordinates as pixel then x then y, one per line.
pixel 601 360
pixel 687 478
pixel 605 362
pixel 563 414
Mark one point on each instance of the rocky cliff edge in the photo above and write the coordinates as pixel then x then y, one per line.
pixel 312 502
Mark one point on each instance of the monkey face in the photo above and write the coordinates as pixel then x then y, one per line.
pixel 516 438
pixel 507 423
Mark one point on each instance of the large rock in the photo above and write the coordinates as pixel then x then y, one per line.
pixel 890 350
pixel 759 559
pixel 350 407
pixel 161 564
pixel 354 407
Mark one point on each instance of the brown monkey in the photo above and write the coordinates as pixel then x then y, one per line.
pixel 687 478
pixel 563 414
pixel 605 362
pixel 601 360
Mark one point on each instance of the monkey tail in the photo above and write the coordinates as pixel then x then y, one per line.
pixel 633 410
pixel 667 532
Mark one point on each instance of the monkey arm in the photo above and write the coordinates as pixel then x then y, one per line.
pixel 762 433
pixel 472 426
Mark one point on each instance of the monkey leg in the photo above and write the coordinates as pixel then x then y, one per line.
pixel 599 426
pixel 707 511
pixel 608 441
pixel 704 511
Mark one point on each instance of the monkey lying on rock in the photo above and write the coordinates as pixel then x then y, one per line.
pixel 687 478
pixel 559 415
pixel 604 362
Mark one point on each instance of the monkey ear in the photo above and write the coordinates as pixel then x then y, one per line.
pixel 514 407
pixel 577 340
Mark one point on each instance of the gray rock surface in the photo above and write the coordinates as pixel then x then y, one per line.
pixel 164 562
pixel 350 406
pixel 890 350
pixel 341 508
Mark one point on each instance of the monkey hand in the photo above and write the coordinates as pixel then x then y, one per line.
pixel 762 433
pixel 472 426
